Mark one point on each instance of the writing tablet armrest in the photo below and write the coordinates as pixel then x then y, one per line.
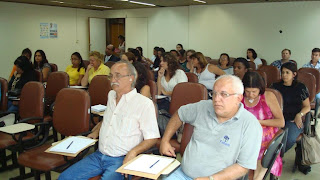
pixel 17 128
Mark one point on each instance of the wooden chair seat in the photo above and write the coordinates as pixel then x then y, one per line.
pixel 6 139
pixel 44 161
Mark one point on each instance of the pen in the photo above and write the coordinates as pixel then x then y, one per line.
pixel 154 163
pixel 69 144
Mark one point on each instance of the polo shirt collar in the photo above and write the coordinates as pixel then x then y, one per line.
pixel 234 118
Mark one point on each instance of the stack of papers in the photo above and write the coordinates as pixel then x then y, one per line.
pixel 149 164
pixel 72 145
pixel 98 108
pixel 160 96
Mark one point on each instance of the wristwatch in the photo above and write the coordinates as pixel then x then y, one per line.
pixel 211 178
pixel 301 114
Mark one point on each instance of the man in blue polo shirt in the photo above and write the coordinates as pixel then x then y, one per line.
pixel 226 139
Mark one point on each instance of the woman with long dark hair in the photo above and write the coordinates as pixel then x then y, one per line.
pixel 24 73
pixel 142 79
pixel 295 105
pixel 41 64
pixel 76 70
pixel 169 76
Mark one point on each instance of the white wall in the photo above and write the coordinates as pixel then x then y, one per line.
pixel 20 28
pixel 211 29
pixel 234 28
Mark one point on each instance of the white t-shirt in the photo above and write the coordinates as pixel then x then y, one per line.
pixel 257 61
pixel 179 77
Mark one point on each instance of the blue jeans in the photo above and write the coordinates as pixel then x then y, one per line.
pixel 12 108
pixel 93 165
pixel 178 174
pixel 293 133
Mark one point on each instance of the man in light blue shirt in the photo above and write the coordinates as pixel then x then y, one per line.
pixel 314 63
pixel 226 139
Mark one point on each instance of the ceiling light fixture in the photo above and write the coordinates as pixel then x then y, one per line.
pixel 200 1
pixel 106 7
pixel 60 2
pixel 142 3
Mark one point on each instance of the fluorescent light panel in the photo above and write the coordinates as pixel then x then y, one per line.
pixel 60 2
pixel 106 7
pixel 200 1
pixel 142 3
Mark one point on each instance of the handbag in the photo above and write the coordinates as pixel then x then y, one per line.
pixel 310 144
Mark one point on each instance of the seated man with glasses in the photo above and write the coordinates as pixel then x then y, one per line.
pixel 129 127
pixel 226 139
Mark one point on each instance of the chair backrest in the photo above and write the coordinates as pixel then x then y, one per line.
pixel 273 150
pixel 86 63
pixel 263 75
pixel 54 67
pixel 264 62
pixel 232 59
pixel 186 93
pixel 151 75
pixel 39 76
pixel 316 74
pixel 109 64
pixel 252 65
pixel 71 112
pixel 31 102
pixel 99 89
pixel 214 61
pixel 278 96
pixel 56 81
pixel 192 77
pixel 186 136
pixel 153 90
pixel 309 81
pixel 4 94
pixel 273 74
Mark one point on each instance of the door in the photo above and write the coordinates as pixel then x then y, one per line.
pixel 97 38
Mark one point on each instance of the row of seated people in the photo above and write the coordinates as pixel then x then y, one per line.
pixel 163 66
pixel 120 76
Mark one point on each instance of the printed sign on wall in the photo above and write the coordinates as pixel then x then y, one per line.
pixel 44 30
pixel 48 30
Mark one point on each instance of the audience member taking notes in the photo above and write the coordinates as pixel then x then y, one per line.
pixel 129 127
pixel 226 139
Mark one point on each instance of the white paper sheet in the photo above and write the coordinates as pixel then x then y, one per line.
pixel 98 108
pixel 72 145
pixel 78 87
pixel 149 164
pixel 160 96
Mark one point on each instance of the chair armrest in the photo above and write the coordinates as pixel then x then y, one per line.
pixel 30 118
pixel 2 114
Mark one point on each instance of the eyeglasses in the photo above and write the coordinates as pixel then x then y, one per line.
pixel 117 76
pixel 222 94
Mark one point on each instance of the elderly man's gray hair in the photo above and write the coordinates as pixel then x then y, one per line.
pixel 131 70
pixel 236 82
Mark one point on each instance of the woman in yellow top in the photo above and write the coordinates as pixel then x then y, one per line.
pixel 96 67
pixel 76 70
